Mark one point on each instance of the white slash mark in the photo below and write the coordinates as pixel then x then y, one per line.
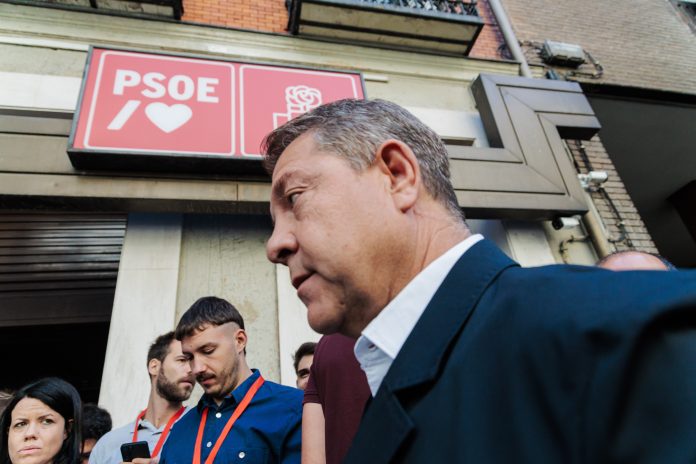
pixel 124 115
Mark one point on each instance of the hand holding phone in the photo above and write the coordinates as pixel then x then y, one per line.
pixel 139 449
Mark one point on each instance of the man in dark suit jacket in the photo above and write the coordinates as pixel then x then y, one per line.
pixel 471 358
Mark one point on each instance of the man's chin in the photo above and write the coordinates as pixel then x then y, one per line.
pixel 323 325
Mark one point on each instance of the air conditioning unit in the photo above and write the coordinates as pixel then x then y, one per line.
pixel 562 54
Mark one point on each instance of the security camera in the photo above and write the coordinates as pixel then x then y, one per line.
pixel 559 223
pixel 595 178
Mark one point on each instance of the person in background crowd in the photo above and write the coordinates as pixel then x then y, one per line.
pixel 469 357
pixel 42 424
pixel 96 422
pixel 334 401
pixel 171 383
pixel 241 417
pixel 633 260
pixel 302 361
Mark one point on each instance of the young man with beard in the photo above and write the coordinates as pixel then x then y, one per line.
pixel 171 383
pixel 241 417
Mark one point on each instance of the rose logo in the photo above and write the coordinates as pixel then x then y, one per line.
pixel 298 100
pixel 302 98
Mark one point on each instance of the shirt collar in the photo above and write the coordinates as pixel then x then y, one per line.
pixel 146 424
pixel 231 399
pixel 392 326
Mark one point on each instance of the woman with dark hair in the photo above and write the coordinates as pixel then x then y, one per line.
pixel 41 424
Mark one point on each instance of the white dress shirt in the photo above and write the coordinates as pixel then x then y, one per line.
pixel 384 336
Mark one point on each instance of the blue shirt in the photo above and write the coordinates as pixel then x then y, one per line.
pixel 269 430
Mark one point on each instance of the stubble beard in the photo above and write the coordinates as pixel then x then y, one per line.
pixel 171 391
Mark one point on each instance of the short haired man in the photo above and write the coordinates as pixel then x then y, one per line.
pixel 241 417
pixel 96 422
pixel 634 260
pixel 171 383
pixel 302 362
pixel 470 357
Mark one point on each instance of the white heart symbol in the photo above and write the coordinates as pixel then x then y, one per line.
pixel 168 118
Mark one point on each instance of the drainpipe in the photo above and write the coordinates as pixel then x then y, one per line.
pixel 509 36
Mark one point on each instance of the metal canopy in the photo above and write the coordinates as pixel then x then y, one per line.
pixel 387 24
pixel 172 9
pixel 528 173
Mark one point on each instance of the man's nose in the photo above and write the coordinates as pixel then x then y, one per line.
pixel 196 366
pixel 281 245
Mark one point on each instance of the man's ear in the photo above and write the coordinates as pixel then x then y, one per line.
pixel 153 367
pixel 240 339
pixel 399 163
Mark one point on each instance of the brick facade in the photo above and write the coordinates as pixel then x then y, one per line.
pixel 639 43
pixel 266 15
pixel 624 226
pixel 490 43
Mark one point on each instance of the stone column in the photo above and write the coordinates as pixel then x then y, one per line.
pixel 144 308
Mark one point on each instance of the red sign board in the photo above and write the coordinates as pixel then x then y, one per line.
pixel 152 111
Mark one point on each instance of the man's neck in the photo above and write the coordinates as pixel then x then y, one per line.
pixel 160 410
pixel 433 237
pixel 242 374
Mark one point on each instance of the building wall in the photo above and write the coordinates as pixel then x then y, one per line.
pixel 640 43
pixel 272 16
pixel 624 226
pixel 490 43
pixel 225 256
pixel 267 15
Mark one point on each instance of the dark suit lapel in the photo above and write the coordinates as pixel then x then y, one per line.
pixel 383 428
pixel 386 424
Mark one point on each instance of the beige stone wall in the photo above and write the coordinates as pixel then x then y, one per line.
pixel 225 256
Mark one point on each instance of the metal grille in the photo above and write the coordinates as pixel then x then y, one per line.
pixel 445 6
pixel 54 252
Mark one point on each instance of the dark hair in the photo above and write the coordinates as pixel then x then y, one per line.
pixel 60 396
pixel 5 398
pixel 160 347
pixel 96 421
pixel 305 349
pixel 209 310
pixel 354 130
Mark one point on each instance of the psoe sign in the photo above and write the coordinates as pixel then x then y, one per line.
pixel 162 112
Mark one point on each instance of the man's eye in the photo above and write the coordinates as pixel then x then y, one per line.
pixel 292 198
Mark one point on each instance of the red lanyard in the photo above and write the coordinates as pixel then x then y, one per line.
pixel 165 432
pixel 230 422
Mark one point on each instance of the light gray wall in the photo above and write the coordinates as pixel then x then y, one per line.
pixel 225 256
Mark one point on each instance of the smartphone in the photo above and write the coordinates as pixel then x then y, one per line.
pixel 130 451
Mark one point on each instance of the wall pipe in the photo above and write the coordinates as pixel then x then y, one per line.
pixel 509 36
